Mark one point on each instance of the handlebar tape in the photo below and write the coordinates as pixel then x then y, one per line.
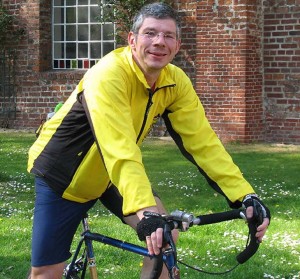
pixel 219 217
pixel 255 221
pixel 251 249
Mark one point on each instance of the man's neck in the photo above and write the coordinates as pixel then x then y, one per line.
pixel 151 80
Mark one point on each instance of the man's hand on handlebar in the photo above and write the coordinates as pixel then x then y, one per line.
pixel 257 213
pixel 150 229
pixel 261 229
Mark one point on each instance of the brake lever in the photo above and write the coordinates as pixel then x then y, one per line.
pixel 257 213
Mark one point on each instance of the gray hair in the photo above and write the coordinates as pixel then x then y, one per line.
pixel 158 11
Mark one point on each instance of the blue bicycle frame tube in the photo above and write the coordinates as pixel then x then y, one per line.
pixel 168 256
pixel 117 243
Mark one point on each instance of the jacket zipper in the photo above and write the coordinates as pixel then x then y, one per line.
pixel 148 106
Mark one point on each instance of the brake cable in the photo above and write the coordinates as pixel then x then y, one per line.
pixel 208 272
pixel 211 272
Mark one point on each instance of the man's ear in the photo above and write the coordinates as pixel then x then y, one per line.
pixel 131 40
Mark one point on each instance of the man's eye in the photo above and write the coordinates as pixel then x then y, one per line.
pixel 170 36
pixel 150 34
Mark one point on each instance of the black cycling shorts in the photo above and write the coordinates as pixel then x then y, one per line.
pixel 56 220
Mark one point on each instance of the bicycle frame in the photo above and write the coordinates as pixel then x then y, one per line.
pixel 169 255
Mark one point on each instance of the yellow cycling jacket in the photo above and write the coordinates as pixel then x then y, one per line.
pixel 93 140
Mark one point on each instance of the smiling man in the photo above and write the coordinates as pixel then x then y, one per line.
pixel 90 149
pixel 154 45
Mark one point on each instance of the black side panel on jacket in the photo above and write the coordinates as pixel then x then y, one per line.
pixel 176 137
pixel 65 150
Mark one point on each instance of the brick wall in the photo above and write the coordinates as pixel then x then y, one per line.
pixel 187 55
pixel 229 81
pixel 38 87
pixel 221 52
pixel 282 70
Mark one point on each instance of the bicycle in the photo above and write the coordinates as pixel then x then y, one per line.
pixel 177 219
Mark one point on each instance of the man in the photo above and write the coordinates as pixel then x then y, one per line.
pixel 90 148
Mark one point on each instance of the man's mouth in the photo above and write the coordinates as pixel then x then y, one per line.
pixel 157 54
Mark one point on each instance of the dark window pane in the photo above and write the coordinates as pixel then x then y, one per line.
pixel 59 32
pixel 58 51
pixel 70 50
pixel 55 64
pixel 83 14
pixel 83 50
pixel 108 32
pixel 95 50
pixel 83 2
pixel 71 2
pixel 95 32
pixel 70 33
pixel 107 47
pixel 58 2
pixel 83 32
pixel 61 64
pixel 71 15
pixel 58 15
pixel 94 13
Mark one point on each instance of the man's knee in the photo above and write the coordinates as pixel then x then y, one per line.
pixel 54 271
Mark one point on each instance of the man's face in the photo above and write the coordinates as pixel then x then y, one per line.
pixel 155 45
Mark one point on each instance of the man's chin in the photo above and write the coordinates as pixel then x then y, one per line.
pixel 157 66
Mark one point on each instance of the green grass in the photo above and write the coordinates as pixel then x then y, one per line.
pixel 272 169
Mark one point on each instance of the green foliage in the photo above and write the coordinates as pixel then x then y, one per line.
pixel 121 12
pixel 5 22
pixel 8 32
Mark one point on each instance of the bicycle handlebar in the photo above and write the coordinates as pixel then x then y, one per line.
pixel 179 217
pixel 219 217
pixel 251 249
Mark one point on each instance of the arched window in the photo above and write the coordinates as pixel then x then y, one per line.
pixel 79 40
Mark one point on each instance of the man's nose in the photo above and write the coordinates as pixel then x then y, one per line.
pixel 160 38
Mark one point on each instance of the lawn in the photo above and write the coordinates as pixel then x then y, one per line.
pixel 272 169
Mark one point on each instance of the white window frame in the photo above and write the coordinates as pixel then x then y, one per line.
pixel 60 56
